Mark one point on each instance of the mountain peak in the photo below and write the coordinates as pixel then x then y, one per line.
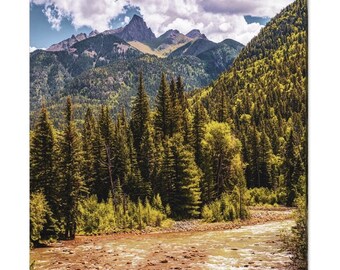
pixel 93 33
pixel 136 18
pixel 137 30
pixel 195 33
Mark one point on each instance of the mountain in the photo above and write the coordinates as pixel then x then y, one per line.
pixel 194 47
pixel 266 86
pixel 221 56
pixel 67 43
pixel 195 33
pixel 169 38
pixel 263 97
pixel 102 67
pixel 217 56
pixel 137 30
pixel 93 33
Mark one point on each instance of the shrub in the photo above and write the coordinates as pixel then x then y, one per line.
pixel 297 242
pixel 39 215
pixel 263 196
pixel 105 217
pixel 227 208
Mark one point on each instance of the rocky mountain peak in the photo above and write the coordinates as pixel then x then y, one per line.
pixel 195 33
pixel 137 30
pixel 93 33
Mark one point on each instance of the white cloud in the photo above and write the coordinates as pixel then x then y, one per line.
pixel 95 14
pixel 32 49
pixel 54 16
pixel 215 18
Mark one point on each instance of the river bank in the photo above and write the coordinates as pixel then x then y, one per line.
pixel 186 245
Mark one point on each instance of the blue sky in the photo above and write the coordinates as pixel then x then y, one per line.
pixel 42 35
pixel 54 20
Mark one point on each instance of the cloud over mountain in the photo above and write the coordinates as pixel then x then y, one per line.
pixel 217 19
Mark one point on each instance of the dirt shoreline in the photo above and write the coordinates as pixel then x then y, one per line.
pixel 259 215
pixel 97 253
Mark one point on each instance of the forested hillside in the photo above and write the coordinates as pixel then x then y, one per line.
pixel 241 141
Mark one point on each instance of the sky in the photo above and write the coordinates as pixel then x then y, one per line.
pixel 54 20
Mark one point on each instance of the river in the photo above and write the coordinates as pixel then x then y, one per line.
pixel 249 247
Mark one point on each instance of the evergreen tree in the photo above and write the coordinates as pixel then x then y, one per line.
pixel 199 120
pixel 121 155
pixel 187 194
pixel 255 179
pixel 163 109
pixel 265 156
pixel 88 150
pixel 166 176
pixel 43 176
pixel 70 172
pixel 180 93
pixel 176 111
pixel 179 179
pixel 294 169
pixel 147 160
pixel 100 185
pixel 140 114
pixel 106 131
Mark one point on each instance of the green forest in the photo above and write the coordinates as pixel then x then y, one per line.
pixel 209 154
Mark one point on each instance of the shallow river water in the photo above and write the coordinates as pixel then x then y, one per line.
pixel 249 247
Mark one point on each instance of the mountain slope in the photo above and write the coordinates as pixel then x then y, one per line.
pixel 194 47
pixel 221 56
pixel 274 63
pixel 263 97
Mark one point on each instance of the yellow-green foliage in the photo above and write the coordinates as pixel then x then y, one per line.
pixel 265 196
pixel 227 208
pixel 105 217
pixel 39 210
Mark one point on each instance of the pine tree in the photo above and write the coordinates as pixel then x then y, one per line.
pixel 106 131
pixel 147 160
pixel 222 110
pixel 163 109
pixel 121 155
pixel 187 194
pixel 88 140
pixel 198 131
pixel 293 169
pixel 176 111
pixel 43 176
pixel 180 179
pixel 255 180
pixel 265 155
pixel 166 176
pixel 100 185
pixel 70 172
pixel 180 93
pixel 140 114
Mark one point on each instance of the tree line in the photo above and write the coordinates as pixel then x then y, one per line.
pixel 176 152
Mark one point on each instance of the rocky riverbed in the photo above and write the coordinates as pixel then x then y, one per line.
pixel 251 244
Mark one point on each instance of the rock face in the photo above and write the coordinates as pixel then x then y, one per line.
pixel 66 44
pixel 93 33
pixel 195 33
pixel 136 30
